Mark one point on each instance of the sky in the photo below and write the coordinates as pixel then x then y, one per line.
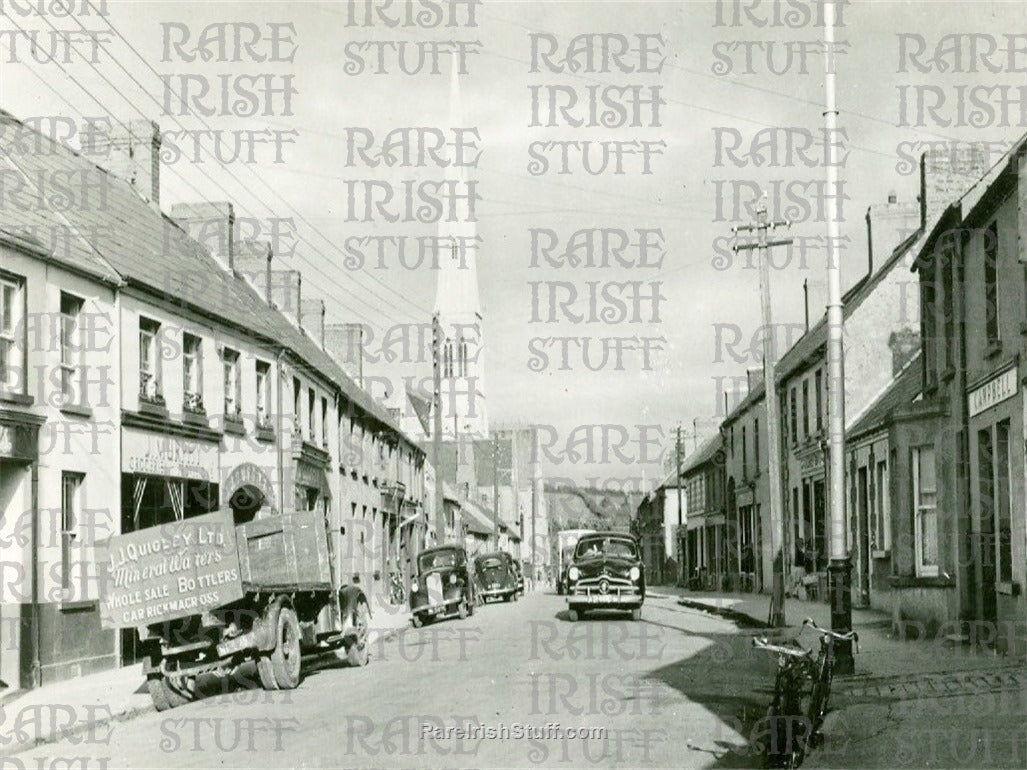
pixel 721 76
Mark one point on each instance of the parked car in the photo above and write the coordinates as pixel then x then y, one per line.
pixel 497 576
pixel 606 573
pixel 519 571
pixel 444 585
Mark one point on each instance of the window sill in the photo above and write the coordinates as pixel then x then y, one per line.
pixel 1008 589
pixel 886 553
pixel 994 348
pixel 235 427
pixel 911 581
pixel 149 407
pixel 21 399
pixel 77 410
pixel 195 418
pixel 266 435
pixel 78 606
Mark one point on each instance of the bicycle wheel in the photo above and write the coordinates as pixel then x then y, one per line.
pixel 819 697
pixel 783 722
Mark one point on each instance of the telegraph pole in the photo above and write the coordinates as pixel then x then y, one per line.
pixel 777 533
pixel 436 439
pixel 695 434
pixel 839 570
pixel 677 483
pixel 495 489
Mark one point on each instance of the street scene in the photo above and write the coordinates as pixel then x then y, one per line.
pixel 478 383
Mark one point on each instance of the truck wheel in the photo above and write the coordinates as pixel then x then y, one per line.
pixel 164 693
pixel 358 653
pixel 266 672
pixel 417 621
pixel 285 658
pixel 636 614
pixel 572 616
pixel 462 611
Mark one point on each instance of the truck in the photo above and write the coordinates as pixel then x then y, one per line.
pixel 565 541
pixel 207 595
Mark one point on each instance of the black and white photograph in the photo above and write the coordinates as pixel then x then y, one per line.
pixel 513 384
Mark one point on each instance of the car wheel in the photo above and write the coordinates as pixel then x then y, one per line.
pixel 572 616
pixel 417 621
pixel 636 614
pixel 462 611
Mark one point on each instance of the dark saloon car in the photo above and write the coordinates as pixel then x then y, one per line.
pixel 444 585
pixel 497 576
pixel 606 573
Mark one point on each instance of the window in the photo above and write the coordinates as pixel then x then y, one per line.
pixel 925 498
pixel 818 380
pixel 233 385
pixel 71 349
pixel 463 358
pixel 928 323
pixel 756 443
pixel 447 359
pixel 881 535
pixel 71 506
pixel 324 422
pixel 948 301
pixel 805 408
pixel 745 455
pixel 311 433
pixel 297 410
pixel 12 332
pixel 991 308
pixel 784 418
pixel 192 373
pixel 793 416
pixel 149 361
pixel 263 394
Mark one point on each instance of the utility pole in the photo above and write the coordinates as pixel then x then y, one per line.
pixel 839 570
pixel 777 533
pixel 695 434
pixel 677 483
pixel 436 439
pixel 495 488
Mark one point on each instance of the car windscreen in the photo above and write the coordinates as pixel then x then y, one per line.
pixel 438 560
pixel 607 546
pixel 492 563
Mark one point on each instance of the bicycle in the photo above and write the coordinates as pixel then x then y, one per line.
pixel 793 729
pixel 397 591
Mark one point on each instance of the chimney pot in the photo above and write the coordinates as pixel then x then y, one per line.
pixel 132 152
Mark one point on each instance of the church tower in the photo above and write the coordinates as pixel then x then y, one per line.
pixel 458 308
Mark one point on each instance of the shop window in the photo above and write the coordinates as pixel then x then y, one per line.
pixel 925 497
pixel 12 333
pixel 233 385
pixel 192 373
pixel 71 349
pixel 263 370
pixel 1003 520
pixel 150 362
pixel 71 508
pixel 991 304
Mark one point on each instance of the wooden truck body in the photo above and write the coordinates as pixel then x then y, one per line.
pixel 207 595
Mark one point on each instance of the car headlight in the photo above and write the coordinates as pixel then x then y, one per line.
pixel 452 578
pixel 635 573
pixel 572 573
pixel 413 587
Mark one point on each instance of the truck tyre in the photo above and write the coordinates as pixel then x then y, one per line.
pixel 358 653
pixel 462 610
pixel 285 659
pixel 164 693
pixel 266 672
pixel 417 621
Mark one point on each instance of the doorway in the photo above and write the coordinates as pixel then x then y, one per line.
pixel 863 501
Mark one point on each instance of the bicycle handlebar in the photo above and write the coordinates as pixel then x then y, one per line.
pixel 762 643
pixel 848 636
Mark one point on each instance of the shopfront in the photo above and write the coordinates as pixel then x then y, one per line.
pixel 165 477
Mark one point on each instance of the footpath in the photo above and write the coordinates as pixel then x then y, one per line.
pixel 910 702
pixel 83 707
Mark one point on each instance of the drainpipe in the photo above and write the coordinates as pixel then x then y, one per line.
pixel 37 627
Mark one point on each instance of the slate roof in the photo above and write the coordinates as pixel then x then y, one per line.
pixel 904 388
pixel 124 237
pixel 707 451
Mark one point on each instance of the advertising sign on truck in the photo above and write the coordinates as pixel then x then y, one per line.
pixel 168 572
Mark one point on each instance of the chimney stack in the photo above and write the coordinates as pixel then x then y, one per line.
pixel 345 343
pixel 285 293
pixel 212 225
pixel 253 262
pixel 946 173
pixel 904 344
pixel 753 376
pixel 312 320
pixel 132 152
pixel 888 225
pixel 805 300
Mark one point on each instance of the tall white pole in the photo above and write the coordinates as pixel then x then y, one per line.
pixel 839 568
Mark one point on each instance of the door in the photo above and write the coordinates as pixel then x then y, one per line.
pixel 986 523
pixel 863 534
